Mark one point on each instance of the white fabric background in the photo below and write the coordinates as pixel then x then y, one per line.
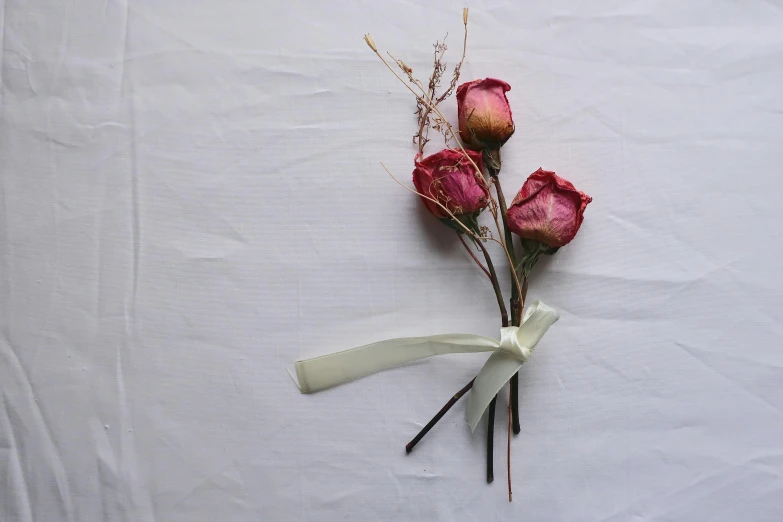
pixel 191 199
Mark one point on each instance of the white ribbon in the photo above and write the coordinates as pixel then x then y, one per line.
pixel 514 348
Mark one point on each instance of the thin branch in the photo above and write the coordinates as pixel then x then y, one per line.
pixel 437 72
pixel 502 242
pixel 495 284
pixel 455 78
pixel 508 452
pixel 514 382
pixel 409 447
pixel 472 255
pixel 490 441
pixel 514 402
pixel 422 111
pixel 516 292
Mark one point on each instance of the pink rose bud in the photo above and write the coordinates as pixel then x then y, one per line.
pixel 451 179
pixel 484 113
pixel 548 209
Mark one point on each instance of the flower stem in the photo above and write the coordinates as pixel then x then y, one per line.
pixel 516 304
pixel 514 384
pixel 495 283
pixel 516 312
pixel 508 451
pixel 409 447
pixel 473 256
pixel 490 439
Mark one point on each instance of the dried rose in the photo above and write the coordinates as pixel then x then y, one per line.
pixel 547 209
pixel 485 120
pixel 450 178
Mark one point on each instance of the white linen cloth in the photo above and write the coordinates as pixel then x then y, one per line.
pixel 191 199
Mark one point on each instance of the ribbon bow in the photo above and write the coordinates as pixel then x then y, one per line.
pixel 515 346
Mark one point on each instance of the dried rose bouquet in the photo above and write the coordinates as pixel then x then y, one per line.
pixel 456 185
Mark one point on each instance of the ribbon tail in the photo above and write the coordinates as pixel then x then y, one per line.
pixel 498 369
pixel 326 371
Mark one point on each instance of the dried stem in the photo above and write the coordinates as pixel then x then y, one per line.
pixel 438 68
pixel 511 261
pixel 516 291
pixel 409 447
pixel 422 111
pixel 504 322
pixel 473 256
pixel 495 284
pixel 514 382
pixel 455 78
pixel 508 451
pixel 514 403
pixel 490 439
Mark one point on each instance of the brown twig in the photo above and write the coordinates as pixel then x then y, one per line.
pixel 495 283
pixel 516 305
pixel 422 110
pixel 493 173
pixel 514 404
pixel 409 447
pixel 508 451
pixel 455 78
pixel 490 439
pixel 438 68
pixel 491 413
pixel 473 256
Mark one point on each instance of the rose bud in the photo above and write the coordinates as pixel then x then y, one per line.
pixel 484 114
pixel 451 179
pixel 547 209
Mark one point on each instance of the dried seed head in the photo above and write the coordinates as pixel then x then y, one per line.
pixel 465 15
pixel 370 42
pixel 405 67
